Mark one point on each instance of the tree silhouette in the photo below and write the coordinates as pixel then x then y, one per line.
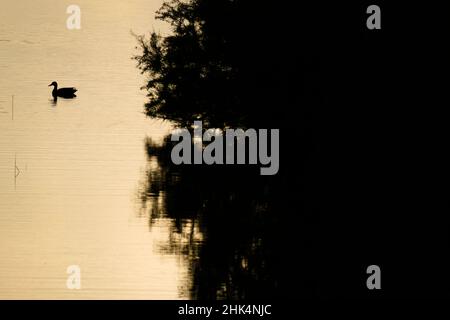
pixel 350 105
pixel 223 63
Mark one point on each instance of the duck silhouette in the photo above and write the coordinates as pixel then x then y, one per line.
pixel 62 92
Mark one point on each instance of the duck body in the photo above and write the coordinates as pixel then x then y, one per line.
pixel 62 92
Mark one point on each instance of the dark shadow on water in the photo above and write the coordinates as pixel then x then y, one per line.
pixel 233 225
pixel 361 158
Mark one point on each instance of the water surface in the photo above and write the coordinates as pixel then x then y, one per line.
pixel 74 198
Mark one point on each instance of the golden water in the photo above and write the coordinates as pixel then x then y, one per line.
pixel 71 171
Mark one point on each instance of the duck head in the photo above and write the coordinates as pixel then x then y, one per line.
pixel 54 83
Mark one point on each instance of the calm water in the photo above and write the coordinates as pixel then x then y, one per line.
pixel 81 164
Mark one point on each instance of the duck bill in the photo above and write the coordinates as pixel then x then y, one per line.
pixel 50 85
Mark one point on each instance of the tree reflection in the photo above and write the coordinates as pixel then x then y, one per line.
pixel 232 225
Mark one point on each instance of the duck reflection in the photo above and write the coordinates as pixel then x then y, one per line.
pixel 53 102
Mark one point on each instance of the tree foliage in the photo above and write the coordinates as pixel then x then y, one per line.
pixel 188 77
pixel 225 62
